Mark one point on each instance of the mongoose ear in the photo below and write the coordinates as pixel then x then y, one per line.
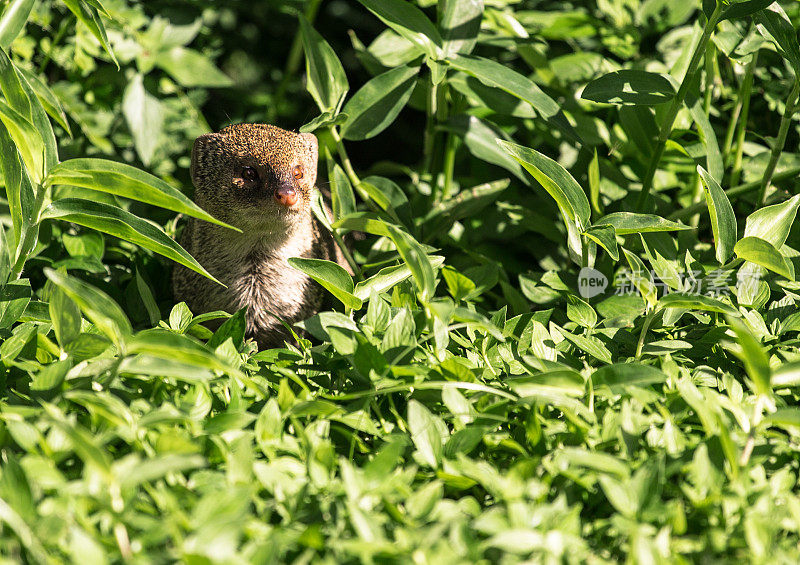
pixel 206 148
pixel 311 142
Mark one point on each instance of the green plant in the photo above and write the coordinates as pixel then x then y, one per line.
pixel 473 398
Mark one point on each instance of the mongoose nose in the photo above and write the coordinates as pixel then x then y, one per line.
pixel 286 195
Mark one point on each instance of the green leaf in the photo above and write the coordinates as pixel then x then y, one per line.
pixel 375 105
pixel 459 24
pixel 89 17
pixel 773 22
pixel 497 75
pixel 15 16
pixel 388 277
pixel 556 180
pixel 47 98
pixel 414 256
pixel 480 137
pixel 409 22
pixel 145 117
pixel 763 253
pixel 696 302
pixel 27 139
pixel 630 86
pixel 594 183
pixel 425 433
pixel 606 237
pixel 630 222
pixel 343 200
pixel 14 298
pixel 124 225
pixel 19 190
pixel 170 346
pixel 745 8
pixel 620 375
pixel 192 69
pixel 65 316
pixel 752 354
pixel 772 223
pixel 326 80
pixel 100 308
pixel 723 220
pixel 331 277
pixel 123 180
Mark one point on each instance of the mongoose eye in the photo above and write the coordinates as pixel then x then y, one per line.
pixel 249 174
pixel 297 172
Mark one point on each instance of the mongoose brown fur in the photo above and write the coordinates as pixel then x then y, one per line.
pixel 261 179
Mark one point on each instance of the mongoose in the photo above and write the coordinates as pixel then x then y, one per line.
pixel 261 179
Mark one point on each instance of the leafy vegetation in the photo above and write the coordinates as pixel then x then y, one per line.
pixel 572 331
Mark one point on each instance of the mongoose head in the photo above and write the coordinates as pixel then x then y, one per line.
pixel 255 175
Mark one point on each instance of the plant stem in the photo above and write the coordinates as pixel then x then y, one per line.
pixel 735 191
pixel 741 128
pixel 584 252
pixel 430 130
pixel 28 240
pixel 675 106
pixel 780 141
pixel 758 412
pixel 643 334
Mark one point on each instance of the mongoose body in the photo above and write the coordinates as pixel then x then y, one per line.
pixel 261 179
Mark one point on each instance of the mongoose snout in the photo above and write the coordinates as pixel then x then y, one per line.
pixel 261 179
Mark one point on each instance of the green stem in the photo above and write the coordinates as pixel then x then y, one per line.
pixel 28 240
pixel 643 333
pixel 675 106
pixel 745 88
pixel 430 129
pixel 449 164
pixel 780 141
pixel 741 128
pixel 584 252
pixel 745 188
pixel 347 255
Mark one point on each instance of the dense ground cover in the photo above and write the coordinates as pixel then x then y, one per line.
pixel 572 332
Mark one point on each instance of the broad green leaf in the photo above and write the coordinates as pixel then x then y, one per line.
pixel 620 375
pixel 723 220
pixel 331 277
pixel 388 277
pixel 14 298
pixel 375 105
pixel 414 256
pixel 343 200
pixel 18 187
pixel 192 69
pixel 124 225
pixel 324 120
pixel 326 80
pixel 89 16
pixel 363 221
pixel 15 16
pixel 424 433
pixel 772 223
pixel 556 180
pixel 99 308
pixel 123 180
pixel 763 253
pixel 65 316
pixel 773 22
pixel 594 183
pixel 696 302
pixel 716 167
pixel 497 75
pixel 480 137
pixel 628 86
pixel 176 347
pixel 459 24
pixel 27 139
pixel 47 98
pixel 630 222
pixel 409 22
pixel 744 8
pixel 786 375
pixel 605 236
pixel 752 354
pixel 590 345
pixel 145 118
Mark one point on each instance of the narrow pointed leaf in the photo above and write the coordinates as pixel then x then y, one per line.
pixel 723 220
